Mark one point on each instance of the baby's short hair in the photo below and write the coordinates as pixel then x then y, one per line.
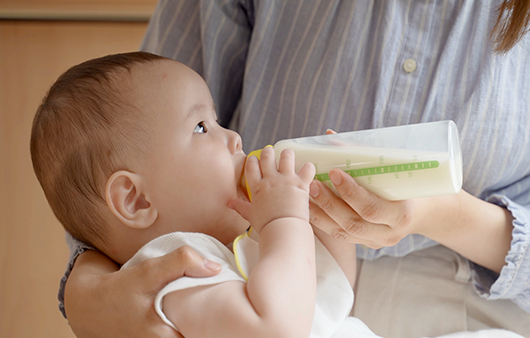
pixel 85 129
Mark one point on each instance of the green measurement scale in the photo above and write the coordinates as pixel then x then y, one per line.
pixel 387 169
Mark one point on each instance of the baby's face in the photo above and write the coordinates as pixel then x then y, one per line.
pixel 195 165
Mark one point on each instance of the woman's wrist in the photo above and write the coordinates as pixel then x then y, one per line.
pixel 476 229
pixel 434 217
pixel 81 283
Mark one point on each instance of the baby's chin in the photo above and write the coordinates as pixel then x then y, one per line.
pixel 230 239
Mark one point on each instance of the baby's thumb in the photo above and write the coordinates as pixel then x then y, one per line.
pixel 241 207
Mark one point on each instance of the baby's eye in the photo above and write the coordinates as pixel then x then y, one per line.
pixel 200 128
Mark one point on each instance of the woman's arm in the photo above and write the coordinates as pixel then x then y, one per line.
pixel 103 302
pixel 478 230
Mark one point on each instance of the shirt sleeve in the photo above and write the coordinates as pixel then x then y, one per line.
pixel 211 37
pixel 512 282
pixel 76 248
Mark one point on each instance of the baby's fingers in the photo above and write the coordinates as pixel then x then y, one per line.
pixel 286 163
pixel 241 207
pixel 252 171
pixel 307 173
pixel 268 162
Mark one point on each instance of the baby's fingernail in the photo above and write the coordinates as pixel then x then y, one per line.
pixel 335 177
pixel 314 190
pixel 212 266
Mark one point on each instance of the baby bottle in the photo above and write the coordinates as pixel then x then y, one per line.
pixel 395 163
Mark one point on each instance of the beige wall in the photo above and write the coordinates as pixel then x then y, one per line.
pixel 68 9
pixel 33 253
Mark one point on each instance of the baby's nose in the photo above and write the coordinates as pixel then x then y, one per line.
pixel 235 144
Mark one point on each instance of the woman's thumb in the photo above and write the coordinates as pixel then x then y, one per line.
pixel 184 261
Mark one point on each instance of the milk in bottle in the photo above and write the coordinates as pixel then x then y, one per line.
pixel 395 163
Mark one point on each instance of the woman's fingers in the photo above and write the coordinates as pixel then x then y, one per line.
pixel 104 302
pixel 319 219
pixel 155 273
pixel 358 215
pixel 369 206
pixel 334 216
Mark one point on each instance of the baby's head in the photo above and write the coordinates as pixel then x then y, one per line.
pixel 127 148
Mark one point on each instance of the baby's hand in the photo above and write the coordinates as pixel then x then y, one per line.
pixel 276 193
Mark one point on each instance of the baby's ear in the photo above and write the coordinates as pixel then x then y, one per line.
pixel 127 201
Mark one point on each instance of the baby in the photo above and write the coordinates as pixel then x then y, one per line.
pixel 131 158
pixel 127 149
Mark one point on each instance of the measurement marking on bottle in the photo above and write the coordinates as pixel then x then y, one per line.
pixel 387 169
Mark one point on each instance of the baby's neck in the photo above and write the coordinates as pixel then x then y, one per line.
pixel 126 241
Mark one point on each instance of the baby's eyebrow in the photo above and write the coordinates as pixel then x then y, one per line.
pixel 196 108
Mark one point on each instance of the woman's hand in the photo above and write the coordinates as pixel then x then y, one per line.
pixel 476 229
pixel 101 301
pixel 358 215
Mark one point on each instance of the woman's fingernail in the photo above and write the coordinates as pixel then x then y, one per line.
pixel 314 190
pixel 212 266
pixel 335 177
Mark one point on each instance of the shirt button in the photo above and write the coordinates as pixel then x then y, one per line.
pixel 409 65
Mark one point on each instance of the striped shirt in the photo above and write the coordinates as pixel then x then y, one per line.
pixel 281 69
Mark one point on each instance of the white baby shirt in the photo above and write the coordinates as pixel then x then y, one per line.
pixel 334 294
